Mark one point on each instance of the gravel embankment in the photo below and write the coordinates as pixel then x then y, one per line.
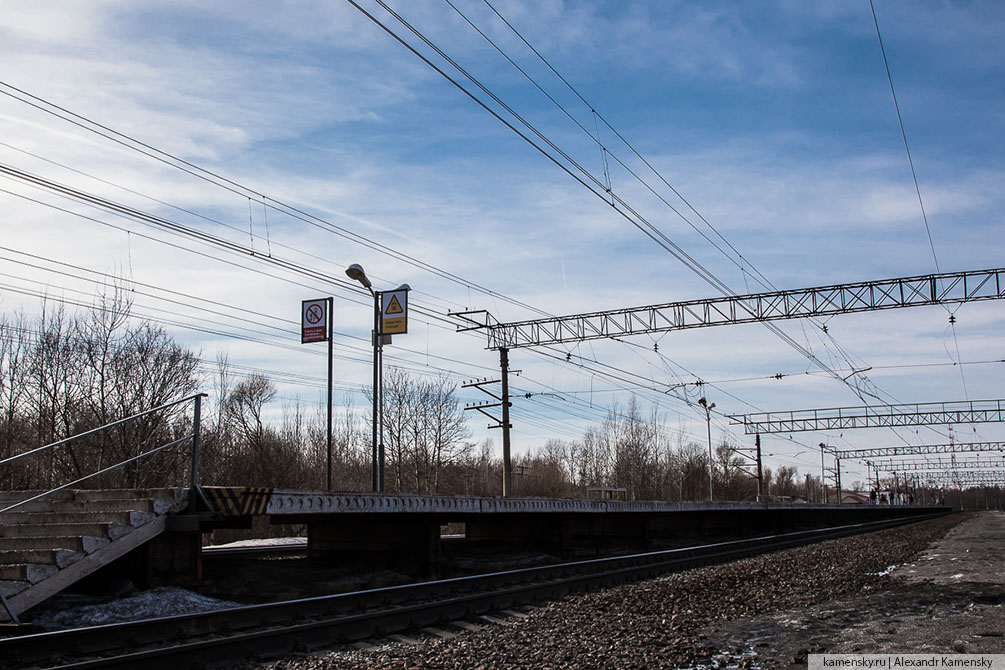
pixel 657 623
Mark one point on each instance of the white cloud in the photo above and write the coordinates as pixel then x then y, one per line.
pixel 316 106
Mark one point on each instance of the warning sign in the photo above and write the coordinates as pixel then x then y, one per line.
pixel 394 307
pixel 314 321
pixel 393 312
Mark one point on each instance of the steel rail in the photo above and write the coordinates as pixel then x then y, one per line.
pixel 325 620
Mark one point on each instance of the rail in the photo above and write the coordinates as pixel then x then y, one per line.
pixel 197 493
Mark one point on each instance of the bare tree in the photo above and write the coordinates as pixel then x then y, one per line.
pixel 785 483
pixel 425 434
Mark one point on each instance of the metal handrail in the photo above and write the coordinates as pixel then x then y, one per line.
pixel 101 428
pixel 196 491
pixel 96 474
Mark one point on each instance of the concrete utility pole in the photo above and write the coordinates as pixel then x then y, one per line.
pixel 708 424
pixel 506 425
pixel 502 401
pixel 823 480
pixel 837 462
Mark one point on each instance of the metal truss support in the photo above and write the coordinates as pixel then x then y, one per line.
pixel 933 289
pixel 923 449
pixel 938 464
pixel 883 416
pixel 965 478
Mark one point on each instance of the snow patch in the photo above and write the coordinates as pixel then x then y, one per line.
pixel 265 542
pixel 159 602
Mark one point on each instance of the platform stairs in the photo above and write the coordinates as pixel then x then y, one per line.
pixel 49 544
pixel 49 540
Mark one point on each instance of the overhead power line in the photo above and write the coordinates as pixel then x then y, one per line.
pixel 242 190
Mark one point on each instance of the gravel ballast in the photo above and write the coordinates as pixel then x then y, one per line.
pixel 704 616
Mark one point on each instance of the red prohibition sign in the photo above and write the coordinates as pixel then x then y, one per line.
pixel 314 314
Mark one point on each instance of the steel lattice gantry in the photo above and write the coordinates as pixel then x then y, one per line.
pixel 938 464
pixel 923 449
pixel 965 478
pixel 884 416
pixel 934 289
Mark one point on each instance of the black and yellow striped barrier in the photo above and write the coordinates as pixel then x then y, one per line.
pixel 238 500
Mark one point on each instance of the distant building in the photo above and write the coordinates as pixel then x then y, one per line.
pixel 854 498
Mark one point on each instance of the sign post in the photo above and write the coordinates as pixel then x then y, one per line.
pixel 390 316
pixel 316 317
pixel 394 312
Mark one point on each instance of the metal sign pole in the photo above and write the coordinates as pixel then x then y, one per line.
pixel 317 318
pixel 331 319
pixel 380 413
pixel 376 387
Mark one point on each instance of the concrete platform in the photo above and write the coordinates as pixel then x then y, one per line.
pixel 402 531
pixel 283 502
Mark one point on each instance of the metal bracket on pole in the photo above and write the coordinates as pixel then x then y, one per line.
pixel 502 422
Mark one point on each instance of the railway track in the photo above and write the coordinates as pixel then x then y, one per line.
pixel 273 629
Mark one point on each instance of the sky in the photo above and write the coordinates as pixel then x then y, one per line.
pixel 761 139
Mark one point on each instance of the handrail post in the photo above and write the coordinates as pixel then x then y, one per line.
pixel 195 491
pixel 196 420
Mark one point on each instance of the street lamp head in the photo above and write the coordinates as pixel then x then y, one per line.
pixel 702 401
pixel 404 287
pixel 712 406
pixel 355 272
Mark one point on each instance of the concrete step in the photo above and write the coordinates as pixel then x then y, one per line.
pixel 163 500
pixel 86 495
pixel 11 587
pixel 156 505
pixel 124 505
pixel 85 543
pixel 58 557
pixel 27 572
pixel 129 518
pixel 48 544
pixel 112 531
pixel 8 497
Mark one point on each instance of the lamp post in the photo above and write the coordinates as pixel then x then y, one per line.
pixel 708 424
pixel 356 272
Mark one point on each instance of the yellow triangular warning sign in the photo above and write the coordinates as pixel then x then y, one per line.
pixel 394 307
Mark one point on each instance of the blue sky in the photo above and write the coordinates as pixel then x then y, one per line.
pixel 774 120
